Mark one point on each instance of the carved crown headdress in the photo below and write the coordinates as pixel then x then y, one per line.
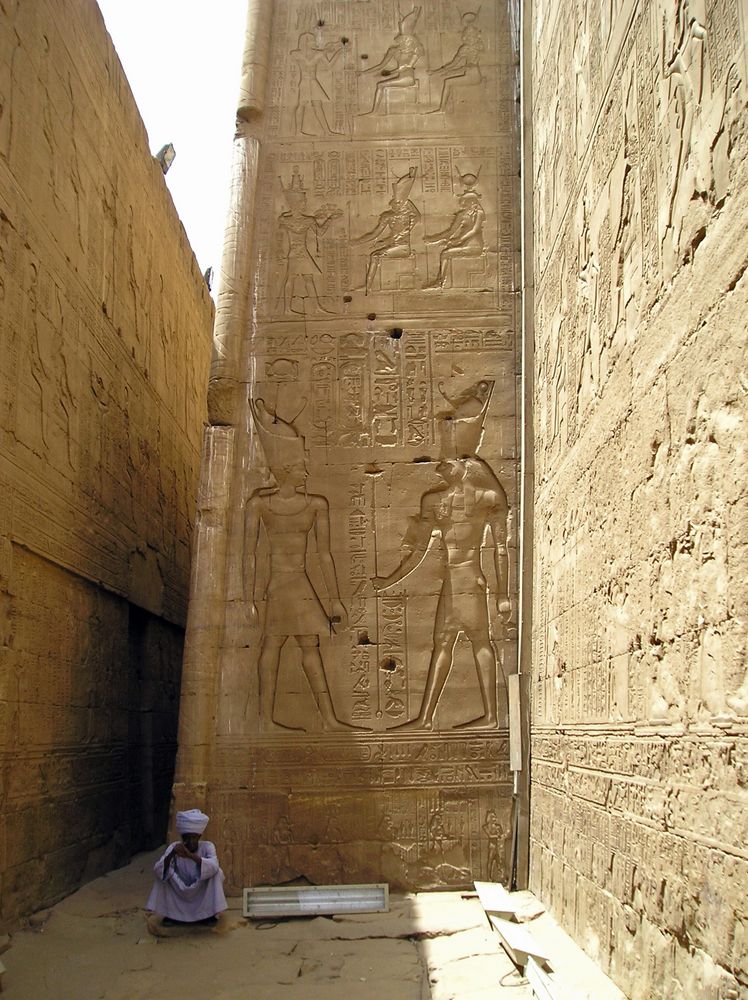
pixel 461 426
pixel 402 187
pixel 281 442
pixel 407 22
pixel 470 16
pixel 469 179
pixel 296 187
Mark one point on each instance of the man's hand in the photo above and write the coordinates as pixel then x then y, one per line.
pixel 181 851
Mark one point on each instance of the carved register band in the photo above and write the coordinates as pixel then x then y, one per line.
pixel 354 615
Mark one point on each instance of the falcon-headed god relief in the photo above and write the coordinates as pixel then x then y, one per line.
pixel 391 235
pixel 290 517
pixel 461 514
pixel 397 66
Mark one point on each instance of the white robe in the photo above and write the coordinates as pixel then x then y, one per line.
pixel 190 891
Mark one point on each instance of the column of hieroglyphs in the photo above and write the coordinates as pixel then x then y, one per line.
pixel 104 351
pixel 355 602
pixel 640 687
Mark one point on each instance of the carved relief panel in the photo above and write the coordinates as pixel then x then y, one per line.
pixel 640 691
pixel 370 612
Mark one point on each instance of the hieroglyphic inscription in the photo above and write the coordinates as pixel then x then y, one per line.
pixel 410 242
pixel 382 358
pixel 640 688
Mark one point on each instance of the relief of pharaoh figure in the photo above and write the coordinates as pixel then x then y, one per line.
pixel 311 94
pixel 468 508
pixel 391 235
pixel 290 517
pixel 295 226
pixel 463 69
pixel 464 235
pixel 398 65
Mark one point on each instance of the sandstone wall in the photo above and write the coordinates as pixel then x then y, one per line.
pixel 640 691
pixel 103 362
pixel 343 719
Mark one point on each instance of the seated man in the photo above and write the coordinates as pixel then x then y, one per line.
pixel 189 882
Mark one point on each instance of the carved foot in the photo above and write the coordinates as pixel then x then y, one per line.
pixel 336 726
pixel 273 726
pixel 482 722
pixel 414 726
pixel 738 702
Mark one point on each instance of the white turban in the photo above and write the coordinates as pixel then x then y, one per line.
pixel 191 821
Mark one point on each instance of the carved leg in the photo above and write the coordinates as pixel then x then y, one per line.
pixel 441 664
pixel 485 664
pixel 311 662
pixel 268 670
pixel 372 270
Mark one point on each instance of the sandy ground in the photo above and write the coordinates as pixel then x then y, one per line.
pixel 95 945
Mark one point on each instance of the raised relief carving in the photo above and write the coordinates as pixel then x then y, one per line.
pixel 299 293
pixel 464 239
pixel 392 375
pixel 289 516
pixel 469 506
pixel 610 11
pixel 462 71
pixel 626 231
pixel 397 90
pixel 588 281
pixel 391 237
pixel 312 258
pixel 311 96
pixel 618 634
pixel 688 85
pixel 582 107
pixel 558 369
pixel 722 144
pixel 495 837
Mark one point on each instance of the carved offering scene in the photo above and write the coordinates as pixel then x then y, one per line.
pixel 364 602
pixel 426 228
pixel 383 68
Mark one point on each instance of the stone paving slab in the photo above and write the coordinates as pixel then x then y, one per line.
pixel 94 945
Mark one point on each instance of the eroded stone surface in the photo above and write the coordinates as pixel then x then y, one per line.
pixel 345 708
pixel 104 349
pixel 639 798
pixel 429 947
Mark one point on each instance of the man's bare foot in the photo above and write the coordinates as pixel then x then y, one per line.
pixel 414 726
pixel 336 726
pixel 273 726
pixel 155 925
pixel 482 722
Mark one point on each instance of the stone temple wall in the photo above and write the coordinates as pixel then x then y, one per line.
pixel 104 350
pixel 640 686
pixel 353 621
